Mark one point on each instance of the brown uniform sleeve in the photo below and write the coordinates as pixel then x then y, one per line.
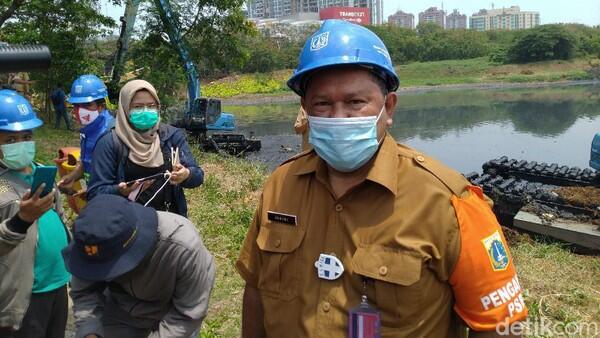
pixel 452 247
pixel 249 261
pixel 448 242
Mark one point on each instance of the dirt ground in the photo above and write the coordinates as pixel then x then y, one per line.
pixel 588 197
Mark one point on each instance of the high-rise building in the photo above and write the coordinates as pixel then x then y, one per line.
pixel 271 9
pixel 503 18
pixel 402 19
pixel 256 9
pixel 432 14
pixel 455 20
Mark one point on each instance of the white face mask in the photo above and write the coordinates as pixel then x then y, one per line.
pixel 86 117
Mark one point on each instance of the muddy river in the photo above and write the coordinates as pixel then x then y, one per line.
pixel 462 128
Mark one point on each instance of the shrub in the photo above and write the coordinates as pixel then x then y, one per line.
pixel 547 42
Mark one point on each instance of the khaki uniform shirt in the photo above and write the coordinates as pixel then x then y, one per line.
pixel 396 234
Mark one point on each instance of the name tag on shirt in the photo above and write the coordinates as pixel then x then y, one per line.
pixel 282 218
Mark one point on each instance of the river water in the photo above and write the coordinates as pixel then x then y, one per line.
pixel 462 128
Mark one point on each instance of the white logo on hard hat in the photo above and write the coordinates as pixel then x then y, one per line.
pixel 383 52
pixel 23 109
pixel 319 41
pixel 78 89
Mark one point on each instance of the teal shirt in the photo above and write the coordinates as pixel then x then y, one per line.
pixel 49 271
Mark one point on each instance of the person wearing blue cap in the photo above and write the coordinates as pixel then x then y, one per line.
pixel 88 96
pixel 137 272
pixel 33 292
pixel 363 237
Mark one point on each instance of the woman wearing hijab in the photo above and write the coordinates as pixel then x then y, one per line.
pixel 140 147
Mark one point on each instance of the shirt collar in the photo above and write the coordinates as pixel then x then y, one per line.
pixel 384 168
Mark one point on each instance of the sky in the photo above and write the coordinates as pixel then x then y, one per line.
pixel 551 11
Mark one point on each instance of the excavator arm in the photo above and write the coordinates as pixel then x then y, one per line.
pixel 201 114
pixel 170 25
pixel 127 24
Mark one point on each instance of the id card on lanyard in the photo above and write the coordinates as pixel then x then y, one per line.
pixel 364 321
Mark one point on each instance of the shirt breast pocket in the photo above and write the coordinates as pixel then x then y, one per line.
pixel 396 279
pixel 279 272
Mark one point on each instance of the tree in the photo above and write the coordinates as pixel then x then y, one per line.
pixel 213 30
pixel 8 9
pixel 428 28
pixel 69 28
pixel 547 42
pixel 402 43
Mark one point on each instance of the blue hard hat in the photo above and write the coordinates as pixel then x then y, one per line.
pixel 16 113
pixel 8 92
pixel 338 43
pixel 87 88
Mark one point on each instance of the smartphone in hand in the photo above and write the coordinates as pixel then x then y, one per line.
pixel 43 174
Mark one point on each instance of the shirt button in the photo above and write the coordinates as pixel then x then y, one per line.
pixel 326 306
pixel 277 243
pixel 420 158
pixel 339 207
pixel 383 270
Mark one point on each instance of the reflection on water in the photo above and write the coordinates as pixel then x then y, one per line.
pixel 466 128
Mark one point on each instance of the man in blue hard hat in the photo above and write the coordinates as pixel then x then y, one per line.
pixel 364 237
pixel 33 282
pixel 88 96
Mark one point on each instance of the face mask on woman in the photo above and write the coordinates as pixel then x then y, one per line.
pixel 143 118
pixel 18 155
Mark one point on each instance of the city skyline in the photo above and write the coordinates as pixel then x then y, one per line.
pixel 578 11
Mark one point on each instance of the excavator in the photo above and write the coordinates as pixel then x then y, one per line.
pixel 203 118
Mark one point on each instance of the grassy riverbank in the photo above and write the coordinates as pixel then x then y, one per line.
pixel 560 286
pixel 418 74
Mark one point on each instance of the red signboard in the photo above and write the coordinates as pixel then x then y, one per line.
pixel 359 15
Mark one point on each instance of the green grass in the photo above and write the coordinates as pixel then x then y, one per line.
pixel 480 70
pixel 270 83
pixel 49 140
pixel 418 74
pixel 222 209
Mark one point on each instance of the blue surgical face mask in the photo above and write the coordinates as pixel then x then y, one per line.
pixel 346 144
pixel 143 118
pixel 18 155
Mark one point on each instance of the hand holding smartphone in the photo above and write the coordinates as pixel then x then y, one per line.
pixel 32 206
pixel 43 174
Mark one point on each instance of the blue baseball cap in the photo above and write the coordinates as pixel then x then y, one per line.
pixel 111 236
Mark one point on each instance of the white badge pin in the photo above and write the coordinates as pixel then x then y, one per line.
pixel 329 267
